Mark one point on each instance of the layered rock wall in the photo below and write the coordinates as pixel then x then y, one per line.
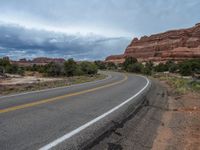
pixel 174 45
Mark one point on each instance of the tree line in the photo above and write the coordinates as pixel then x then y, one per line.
pixel 68 68
pixel 131 64
pixel 7 67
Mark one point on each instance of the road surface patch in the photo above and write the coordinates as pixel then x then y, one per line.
pixel 14 108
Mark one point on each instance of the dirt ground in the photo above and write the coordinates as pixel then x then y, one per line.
pixel 181 123
pixel 25 80
pixel 16 84
pixel 167 122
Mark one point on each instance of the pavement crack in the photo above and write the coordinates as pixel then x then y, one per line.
pixel 117 133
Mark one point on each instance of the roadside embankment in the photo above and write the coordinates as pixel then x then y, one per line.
pixel 139 131
pixel 181 123
pixel 169 120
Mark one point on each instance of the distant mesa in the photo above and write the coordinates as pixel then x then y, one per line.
pixel 37 61
pixel 174 45
pixel 48 60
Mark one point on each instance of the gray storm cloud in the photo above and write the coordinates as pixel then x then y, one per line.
pixel 132 17
pixel 86 29
pixel 17 42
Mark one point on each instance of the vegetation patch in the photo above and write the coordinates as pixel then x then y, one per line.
pixel 182 85
pixel 163 71
pixel 17 88
pixel 68 68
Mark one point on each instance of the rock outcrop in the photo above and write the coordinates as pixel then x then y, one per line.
pixel 48 60
pixel 115 58
pixel 37 61
pixel 174 45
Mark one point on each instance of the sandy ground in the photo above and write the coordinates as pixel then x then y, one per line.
pixel 181 123
pixel 17 84
pixel 25 80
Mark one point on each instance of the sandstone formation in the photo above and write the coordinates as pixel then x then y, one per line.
pixel 174 45
pixel 48 60
pixel 37 61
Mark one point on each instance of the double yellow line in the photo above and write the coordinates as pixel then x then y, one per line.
pixel 59 97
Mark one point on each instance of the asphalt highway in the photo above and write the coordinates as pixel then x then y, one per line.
pixel 60 118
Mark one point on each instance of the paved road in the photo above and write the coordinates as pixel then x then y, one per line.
pixel 55 118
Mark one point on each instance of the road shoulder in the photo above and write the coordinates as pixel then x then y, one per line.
pixel 167 121
pixel 139 131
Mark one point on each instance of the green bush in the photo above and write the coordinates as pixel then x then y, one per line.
pixel 100 65
pixel 70 67
pixel 88 68
pixel 173 68
pixel 189 67
pixel 136 68
pixel 185 69
pixel 111 66
pixel 7 67
pixel 53 69
pixel 148 68
pixel 161 67
pixel 195 85
pixel 4 62
pixel 2 70
pixel 129 61
pixel 147 71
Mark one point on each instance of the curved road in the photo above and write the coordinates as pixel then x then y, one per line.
pixel 54 118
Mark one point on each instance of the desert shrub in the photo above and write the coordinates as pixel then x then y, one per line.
pixel 129 61
pixel 195 85
pixel 189 67
pixel 185 69
pixel 111 66
pixel 4 62
pixel 136 68
pixel 54 69
pixel 2 70
pixel 70 67
pixel 7 67
pixel 147 71
pixel 148 68
pixel 88 68
pixel 100 65
pixel 161 67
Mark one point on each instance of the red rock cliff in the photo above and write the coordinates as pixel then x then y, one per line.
pixel 171 45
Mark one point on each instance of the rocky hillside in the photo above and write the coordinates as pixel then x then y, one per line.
pixel 174 45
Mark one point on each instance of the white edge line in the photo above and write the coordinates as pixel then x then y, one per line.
pixel 79 129
pixel 62 87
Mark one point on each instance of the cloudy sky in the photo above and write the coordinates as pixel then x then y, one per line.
pixel 86 29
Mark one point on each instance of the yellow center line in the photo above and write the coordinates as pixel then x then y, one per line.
pixel 59 97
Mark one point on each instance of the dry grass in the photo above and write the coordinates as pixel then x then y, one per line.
pixel 11 89
pixel 181 85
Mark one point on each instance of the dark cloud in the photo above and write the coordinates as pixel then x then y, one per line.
pixel 123 17
pixel 100 21
pixel 16 41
